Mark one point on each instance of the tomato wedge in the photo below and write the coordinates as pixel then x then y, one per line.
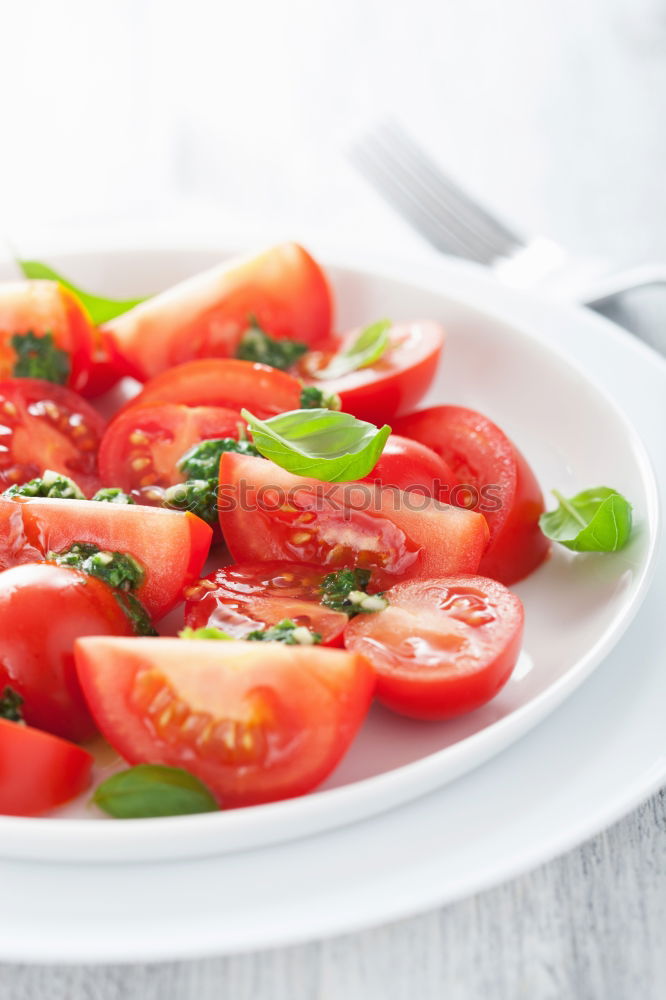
pixel 394 384
pixel 268 514
pixel 255 721
pixel 442 647
pixel 227 383
pixel 38 771
pixel 45 308
pixel 45 426
pixel 241 598
pixel 170 545
pixel 143 445
pixel 408 465
pixel 283 289
pixel 495 479
pixel 38 663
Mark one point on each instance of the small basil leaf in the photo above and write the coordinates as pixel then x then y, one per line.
pixel 322 444
pixel 153 790
pixel 99 309
pixel 10 705
pixel 257 345
pixel 368 347
pixel 207 632
pixel 38 357
pixel 596 520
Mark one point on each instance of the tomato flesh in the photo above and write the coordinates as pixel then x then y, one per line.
pixel 44 426
pixel 392 385
pixel 226 383
pixel 38 771
pixel 442 647
pixel 142 446
pixel 283 289
pixel 38 663
pixel 256 722
pixel 170 545
pixel 242 598
pixel 42 307
pixel 498 481
pixel 269 514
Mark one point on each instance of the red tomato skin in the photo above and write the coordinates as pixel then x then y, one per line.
pixel 170 430
pixel 38 663
pixel 306 704
pixel 46 307
pixel 172 546
pixel 284 289
pixel 397 534
pixel 106 368
pixel 38 771
pixel 408 465
pixel 242 598
pixel 43 442
pixel 481 455
pixel 227 383
pixel 454 688
pixel 393 385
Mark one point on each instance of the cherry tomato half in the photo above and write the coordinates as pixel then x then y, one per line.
pixel 45 426
pixel 499 483
pixel 268 514
pixel 283 289
pixel 38 772
pixel 241 598
pixel 143 445
pixel 228 383
pixel 442 647
pixel 170 545
pixel 45 307
pixel 255 721
pixel 38 662
pixel 394 384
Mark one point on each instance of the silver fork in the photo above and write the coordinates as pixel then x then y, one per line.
pixel 455 223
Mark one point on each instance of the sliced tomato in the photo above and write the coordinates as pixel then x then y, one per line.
pixel 106 368
pixel 170 545
pixel 241 598
pixel 495 479
pixel 394 384
pixel 283 289
pixel 442 647
pixel 38 772
pixel 268 514
pixel 408 465
pixel 38 662
pixel 255 721
pixel 45 307
pixel 45 426
pixel 228 383
pixel 143 445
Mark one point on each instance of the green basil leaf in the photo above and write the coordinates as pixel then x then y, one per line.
pixel 596 520
pixel 207 632
pixel 368 347
pixel 313 398
pixel 258 346
pixel 38 357
pixel 99 309
pixel 323 444
pixel 153 790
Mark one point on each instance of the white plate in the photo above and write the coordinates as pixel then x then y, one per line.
pixel 599 755
pixel 577 607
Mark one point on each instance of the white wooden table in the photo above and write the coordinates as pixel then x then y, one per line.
pixel 236 115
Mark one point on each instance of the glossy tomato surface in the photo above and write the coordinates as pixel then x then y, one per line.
pixel 171 546
pixel 38 771
pixel 408 465
pixel 45 426
pixel 241 598
pixel 495 479
pixel 255 721
pixel 283 290
pixel 394 384
pixel 45 307
pixel 269 514
pixel 37 661
pixel 442 647
pixel 228 383
pixel 143 445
